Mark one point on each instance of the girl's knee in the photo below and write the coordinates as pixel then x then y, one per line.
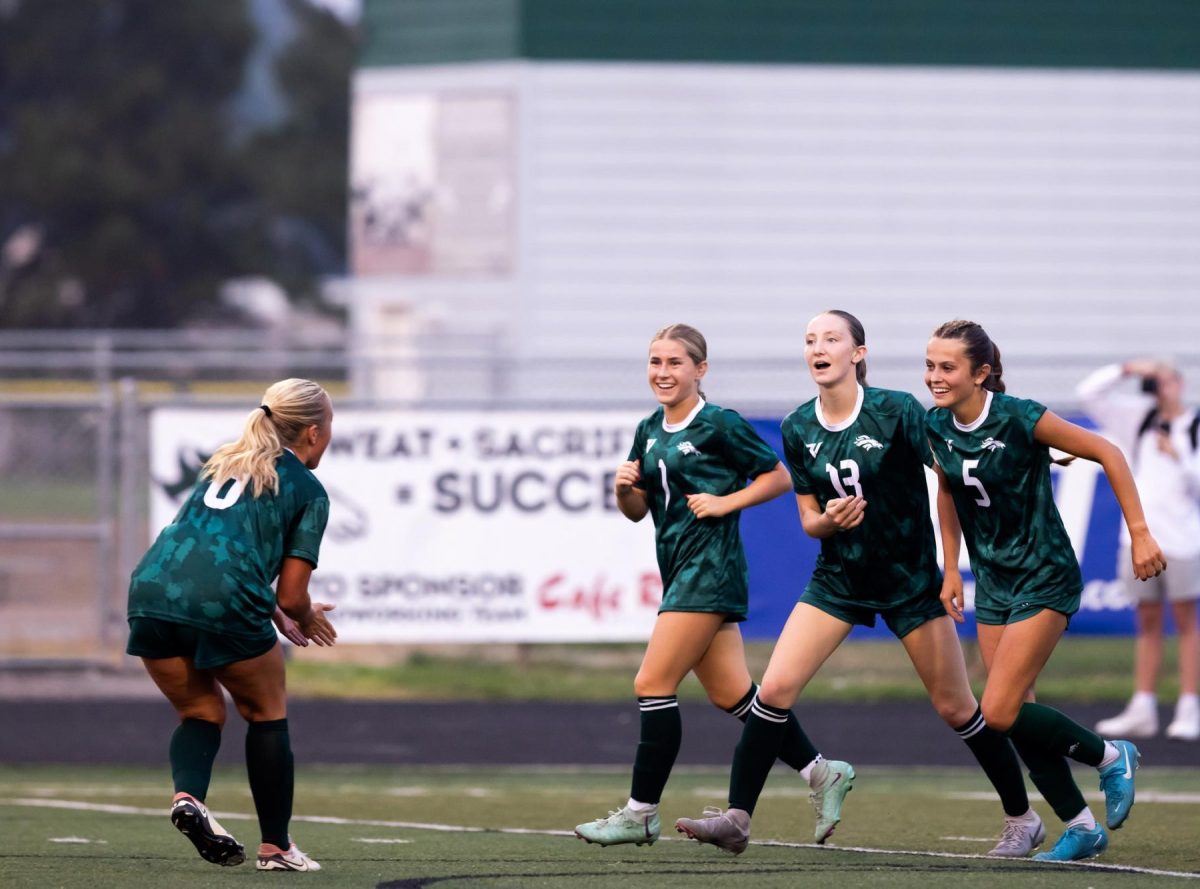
pixel 954 712
pixel 646 686
pixel 776 694
pixel 206 710
pixel 1000 715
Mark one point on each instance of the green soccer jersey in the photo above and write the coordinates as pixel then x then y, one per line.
pixel 713 451
pixel 879 453
pixel 1000 478
pixel 213 566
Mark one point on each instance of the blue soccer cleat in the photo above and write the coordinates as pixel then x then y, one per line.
pixel 1116 781
pixel 1077 844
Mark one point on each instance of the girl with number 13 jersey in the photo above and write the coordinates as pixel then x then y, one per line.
pixel 857 457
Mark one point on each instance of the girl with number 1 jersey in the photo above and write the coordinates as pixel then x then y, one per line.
pixel 687 469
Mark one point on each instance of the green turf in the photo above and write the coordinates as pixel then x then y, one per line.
pixel 1083 669
pixel 897 810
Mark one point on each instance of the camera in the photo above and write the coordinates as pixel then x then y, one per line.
pixel 1150 385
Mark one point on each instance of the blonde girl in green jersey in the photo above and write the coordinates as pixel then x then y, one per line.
pixel 687 469
pixel 993 458
pixel 858 457
pixel 203 613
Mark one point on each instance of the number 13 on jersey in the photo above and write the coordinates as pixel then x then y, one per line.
pixel 850 480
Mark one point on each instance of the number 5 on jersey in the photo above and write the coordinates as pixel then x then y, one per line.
pixel 983 499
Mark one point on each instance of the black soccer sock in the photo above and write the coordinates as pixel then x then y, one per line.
pixel 756 752
pixel 1051 775
pixel 662 731
pixel 194 746
pixel 1056 733
pixel 797 750
pixel 999 761
pixel 271 771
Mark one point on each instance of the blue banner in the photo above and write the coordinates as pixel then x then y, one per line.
pixel 782 556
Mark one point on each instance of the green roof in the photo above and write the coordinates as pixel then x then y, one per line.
pixel 1148 34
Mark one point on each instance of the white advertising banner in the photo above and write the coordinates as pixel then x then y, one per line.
pixel 458 527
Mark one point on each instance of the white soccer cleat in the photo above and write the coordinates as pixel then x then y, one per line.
pixel 1139 719
pixel 273 858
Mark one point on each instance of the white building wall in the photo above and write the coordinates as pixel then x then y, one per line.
pixel 1060 208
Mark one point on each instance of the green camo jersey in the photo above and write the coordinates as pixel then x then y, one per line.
pixel 1000 478
pixel 713 451
pixel 213 566
pixel 879 452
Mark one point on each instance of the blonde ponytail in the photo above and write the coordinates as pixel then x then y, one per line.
pixel 288 408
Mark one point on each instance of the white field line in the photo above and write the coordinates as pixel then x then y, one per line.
pixel 1143 796
pixel 112 809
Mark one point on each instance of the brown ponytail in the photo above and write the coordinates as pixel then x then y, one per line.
pixel 859 335
pixel 979 349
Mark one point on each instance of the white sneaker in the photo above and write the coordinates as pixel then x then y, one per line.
pixel 1138 720
pixel 1186 724
pixel 273 858
pixel 1020 837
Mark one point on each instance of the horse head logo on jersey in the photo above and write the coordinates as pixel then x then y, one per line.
pixel 867 443
pixel 992 444
pixel 686 447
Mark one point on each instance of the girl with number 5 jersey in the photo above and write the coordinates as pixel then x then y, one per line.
pixel 857 457
pixel 688 468
pixel 993 467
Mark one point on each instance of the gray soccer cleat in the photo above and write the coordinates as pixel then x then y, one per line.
pixel 729 830
pixel 1019 838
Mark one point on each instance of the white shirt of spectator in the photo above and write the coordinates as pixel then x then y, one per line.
pixel 1169 488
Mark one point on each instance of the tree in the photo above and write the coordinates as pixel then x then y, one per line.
pixel 299 169
pixel 116 157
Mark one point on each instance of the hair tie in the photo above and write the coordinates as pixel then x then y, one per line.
pixel 266 410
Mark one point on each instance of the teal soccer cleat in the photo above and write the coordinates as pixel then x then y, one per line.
pixel 1077 844
pixel 621 826
pixel 834 780
pixel 1116 781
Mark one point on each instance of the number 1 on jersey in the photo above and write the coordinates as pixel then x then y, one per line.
pixel 851 479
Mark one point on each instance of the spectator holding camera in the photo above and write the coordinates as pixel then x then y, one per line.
pixel 1159 434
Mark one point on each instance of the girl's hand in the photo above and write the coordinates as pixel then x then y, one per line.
pixel 627 476
pixel 289 628
pixel 316 626
pixel 846 512
pixel 707 506
pixel 952 596
pixel 1148 559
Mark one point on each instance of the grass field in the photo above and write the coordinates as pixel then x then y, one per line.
pixel 504 829
pixel 1085 669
